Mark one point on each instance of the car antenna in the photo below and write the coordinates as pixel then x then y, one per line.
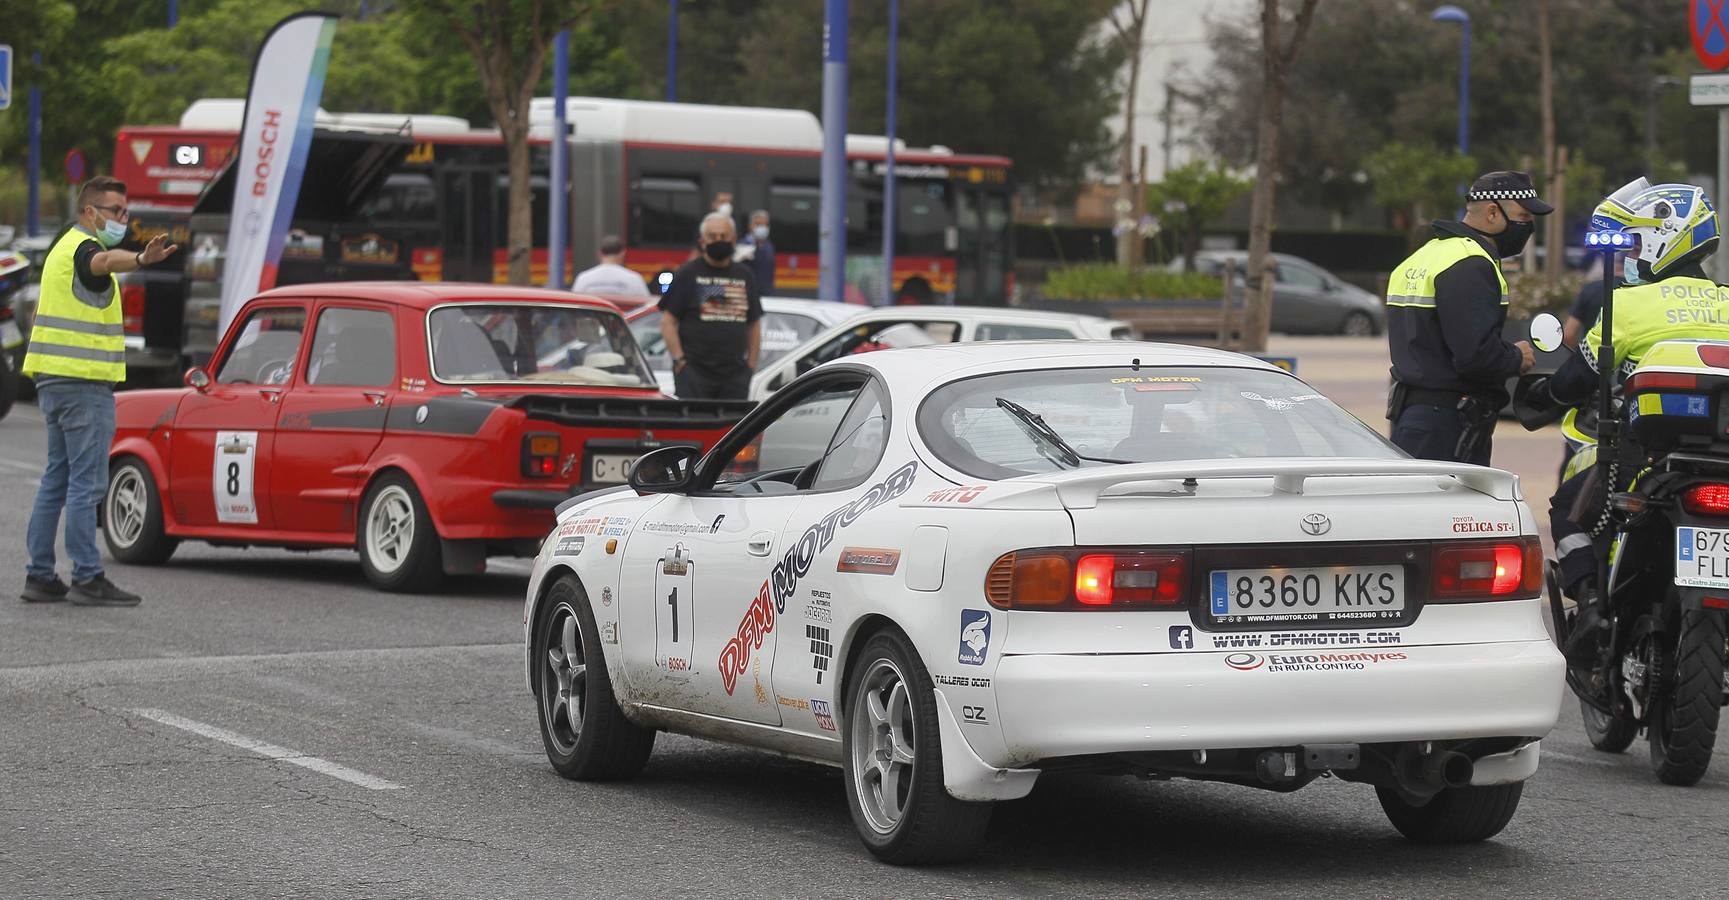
pixel 1135 364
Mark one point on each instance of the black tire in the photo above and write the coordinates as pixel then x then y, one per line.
pixel 1683 724
pixel 927 825
pixel 394 561
pixel 1607 734
pixel 1459 815
pixel 603 744
pixel 1358 324
pixel 132 515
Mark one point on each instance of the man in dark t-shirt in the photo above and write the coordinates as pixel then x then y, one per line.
pixel 711 318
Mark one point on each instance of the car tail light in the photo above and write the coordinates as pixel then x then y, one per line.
pixel 1714 355
pixel 1706 499
pixel 540 455
pixel 1487 570
pixel 1088 579
pixel 132 308
pixel 1653 381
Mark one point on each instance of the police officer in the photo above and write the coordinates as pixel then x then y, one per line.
pixel 1446 306
pixel 1666 296
pixel 77 355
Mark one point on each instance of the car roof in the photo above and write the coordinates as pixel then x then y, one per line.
pixel 946 362
pixel 425 295
pixel 977 313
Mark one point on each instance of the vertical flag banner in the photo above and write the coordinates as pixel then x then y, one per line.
pixel 276 133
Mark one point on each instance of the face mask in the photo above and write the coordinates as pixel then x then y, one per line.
pixel 724 209
pixel 1511 241
pixel 112 233
pixel 1633 271
pixel 718 250
pixel 760 232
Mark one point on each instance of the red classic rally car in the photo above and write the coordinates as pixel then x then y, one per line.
pixel 427 425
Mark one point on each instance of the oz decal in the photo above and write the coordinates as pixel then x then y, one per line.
pixel 674 580
pixel 231 477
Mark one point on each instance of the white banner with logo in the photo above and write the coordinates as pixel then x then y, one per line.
pixel 276 133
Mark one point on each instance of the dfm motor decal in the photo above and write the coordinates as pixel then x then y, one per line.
pixel 771 598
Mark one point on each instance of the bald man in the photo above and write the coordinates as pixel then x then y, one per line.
pixel 711 317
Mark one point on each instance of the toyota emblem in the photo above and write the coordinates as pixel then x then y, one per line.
pixel 1315 523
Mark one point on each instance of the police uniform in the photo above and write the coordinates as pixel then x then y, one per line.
pixel 1684 306
pixel 1446 306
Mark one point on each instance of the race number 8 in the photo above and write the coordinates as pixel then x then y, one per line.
pixel 231 471
pixel 233 479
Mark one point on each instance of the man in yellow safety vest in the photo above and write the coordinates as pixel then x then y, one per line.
pixel 77 355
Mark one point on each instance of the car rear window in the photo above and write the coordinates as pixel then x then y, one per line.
pixel 536 343
pixel 1136 414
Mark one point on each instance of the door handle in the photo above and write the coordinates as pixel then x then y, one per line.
pixel 377 397
pixel 760 543
pixel 271 394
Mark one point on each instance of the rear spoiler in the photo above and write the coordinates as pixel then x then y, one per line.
pixel 1081 488
pixel 629 412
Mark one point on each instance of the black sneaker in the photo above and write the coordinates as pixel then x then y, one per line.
pixel 1590 627
pixel 43 590
pixel 99 591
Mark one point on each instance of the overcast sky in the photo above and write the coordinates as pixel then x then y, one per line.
pixel 1176 51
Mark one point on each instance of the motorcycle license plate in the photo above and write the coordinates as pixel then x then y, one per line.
pixel 10 336
pixel 1702 557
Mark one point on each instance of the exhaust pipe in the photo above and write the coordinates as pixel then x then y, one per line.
pixel 1447 769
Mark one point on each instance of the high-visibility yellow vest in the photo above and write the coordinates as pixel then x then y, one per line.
pixel 1679 308
pixel 1413 282
pixel 77 332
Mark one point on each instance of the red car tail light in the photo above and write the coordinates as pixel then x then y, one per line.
pixel 1652 381
pixel 1487 570
pixel 132 308
pixel 1076 579
pixel 1714 355
pixel 540 452
pixel 1706 499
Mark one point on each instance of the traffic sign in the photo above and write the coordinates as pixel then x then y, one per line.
pixel 75 165
pixel 1708 90
pixel 1708 22
pixel 5 75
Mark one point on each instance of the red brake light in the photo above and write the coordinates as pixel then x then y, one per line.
pixel 132 308
pixel 1652 381
pixel 540 455
pixel 1707 499
pixel 1714 355
pixel 1487 570
pixel 1070 579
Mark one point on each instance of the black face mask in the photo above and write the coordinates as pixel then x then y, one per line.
pixel 1512 239
pixel 718 250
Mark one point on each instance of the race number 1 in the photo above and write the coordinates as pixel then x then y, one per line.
pixel 231 477
pixel 674 578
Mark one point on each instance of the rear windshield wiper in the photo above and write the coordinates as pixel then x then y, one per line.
pixel 1046 437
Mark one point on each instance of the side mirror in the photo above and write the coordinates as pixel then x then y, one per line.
pixel 664 471
pixel 1546 332
pixel 196 378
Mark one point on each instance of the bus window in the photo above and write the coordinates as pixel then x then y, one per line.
pixel 405 197
pixel 793 211
pixel 667 211
pixel 923 218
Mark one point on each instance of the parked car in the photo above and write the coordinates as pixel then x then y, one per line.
pixel 786 323
pixel 1307 299
pixel 897 327
pixel 1001 560
pixel 428 425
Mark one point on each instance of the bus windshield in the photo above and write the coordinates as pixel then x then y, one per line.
pixel 536 343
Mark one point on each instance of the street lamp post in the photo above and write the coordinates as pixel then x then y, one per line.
pixel 1455 14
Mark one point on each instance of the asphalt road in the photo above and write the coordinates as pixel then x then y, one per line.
pixel 266 725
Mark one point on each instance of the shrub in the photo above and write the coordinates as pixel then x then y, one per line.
pixel 1109 282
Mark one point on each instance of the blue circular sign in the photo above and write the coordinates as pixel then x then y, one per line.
pixel 75 165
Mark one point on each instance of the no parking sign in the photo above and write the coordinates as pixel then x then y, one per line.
pixel 1706 22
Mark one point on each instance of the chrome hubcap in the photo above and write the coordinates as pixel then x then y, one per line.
pixel 884 745
pixel 564 680
pixel 390 528
pixel 127 504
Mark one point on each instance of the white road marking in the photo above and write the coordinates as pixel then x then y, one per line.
pixel 1568 757
pixel 270 751
pixel 20 466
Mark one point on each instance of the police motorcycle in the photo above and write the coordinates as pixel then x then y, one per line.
pixel 14 275
pixel 1657 510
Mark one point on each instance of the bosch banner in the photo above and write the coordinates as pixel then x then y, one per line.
pixel 287 81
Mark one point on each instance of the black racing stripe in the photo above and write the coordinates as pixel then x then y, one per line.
pixel 444 415
pixel 364 417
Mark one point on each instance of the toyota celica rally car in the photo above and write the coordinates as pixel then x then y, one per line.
pixel 429 426
pixel 949 569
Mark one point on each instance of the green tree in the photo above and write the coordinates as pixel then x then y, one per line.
pixel 1190 198
pixel 1417 181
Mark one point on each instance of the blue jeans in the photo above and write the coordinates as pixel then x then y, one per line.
pixel 80 418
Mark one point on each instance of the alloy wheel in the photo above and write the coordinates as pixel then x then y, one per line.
pixel 390 528
pixel 564 679
pixel 884 745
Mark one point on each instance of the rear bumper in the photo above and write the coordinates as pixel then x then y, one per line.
pixel 530 498
pixel 1071 705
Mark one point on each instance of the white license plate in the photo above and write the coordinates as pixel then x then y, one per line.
pixel 609 468
pixel 1308 594
pixel 10 336
pixel 1702 557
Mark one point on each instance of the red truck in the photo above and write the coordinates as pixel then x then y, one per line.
pixel 429 426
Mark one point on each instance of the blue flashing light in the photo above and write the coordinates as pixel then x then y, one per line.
pixel 1608 240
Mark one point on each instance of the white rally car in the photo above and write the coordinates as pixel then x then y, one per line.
pixel 949 569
